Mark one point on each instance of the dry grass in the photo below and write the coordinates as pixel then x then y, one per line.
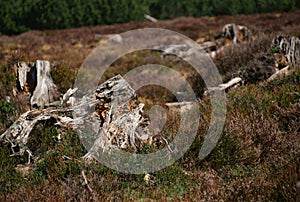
pixel 256 159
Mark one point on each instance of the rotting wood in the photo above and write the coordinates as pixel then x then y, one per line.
pixel 287 49
pixel 34 80
pixel 114 107
pixel 45 91
pixel 231 34
pixel 286 52
pixel 234 34
pixel 25 77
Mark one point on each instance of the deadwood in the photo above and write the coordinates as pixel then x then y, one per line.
pixel 223 87
pixel 233 34
pixel 102 38
pixel 111 108
pixel 150 18
pixel 286 52
pixel 34 80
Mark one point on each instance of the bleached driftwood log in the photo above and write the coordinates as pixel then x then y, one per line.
pixel 110 109
pixel 34 79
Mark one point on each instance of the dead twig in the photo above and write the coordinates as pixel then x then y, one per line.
pixel 87 185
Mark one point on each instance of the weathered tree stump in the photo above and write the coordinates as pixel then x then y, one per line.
pixel 234 34
pixel 34 80
pixel 287 50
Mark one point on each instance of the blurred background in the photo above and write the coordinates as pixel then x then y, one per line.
pixel 22 15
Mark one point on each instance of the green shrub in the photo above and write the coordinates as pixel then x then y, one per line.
pixel 6 109
pixel 21 15
pixel 173 8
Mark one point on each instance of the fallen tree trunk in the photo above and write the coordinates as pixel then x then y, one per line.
pixel 110 109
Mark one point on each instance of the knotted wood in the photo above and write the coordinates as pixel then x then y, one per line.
pixel 111 112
